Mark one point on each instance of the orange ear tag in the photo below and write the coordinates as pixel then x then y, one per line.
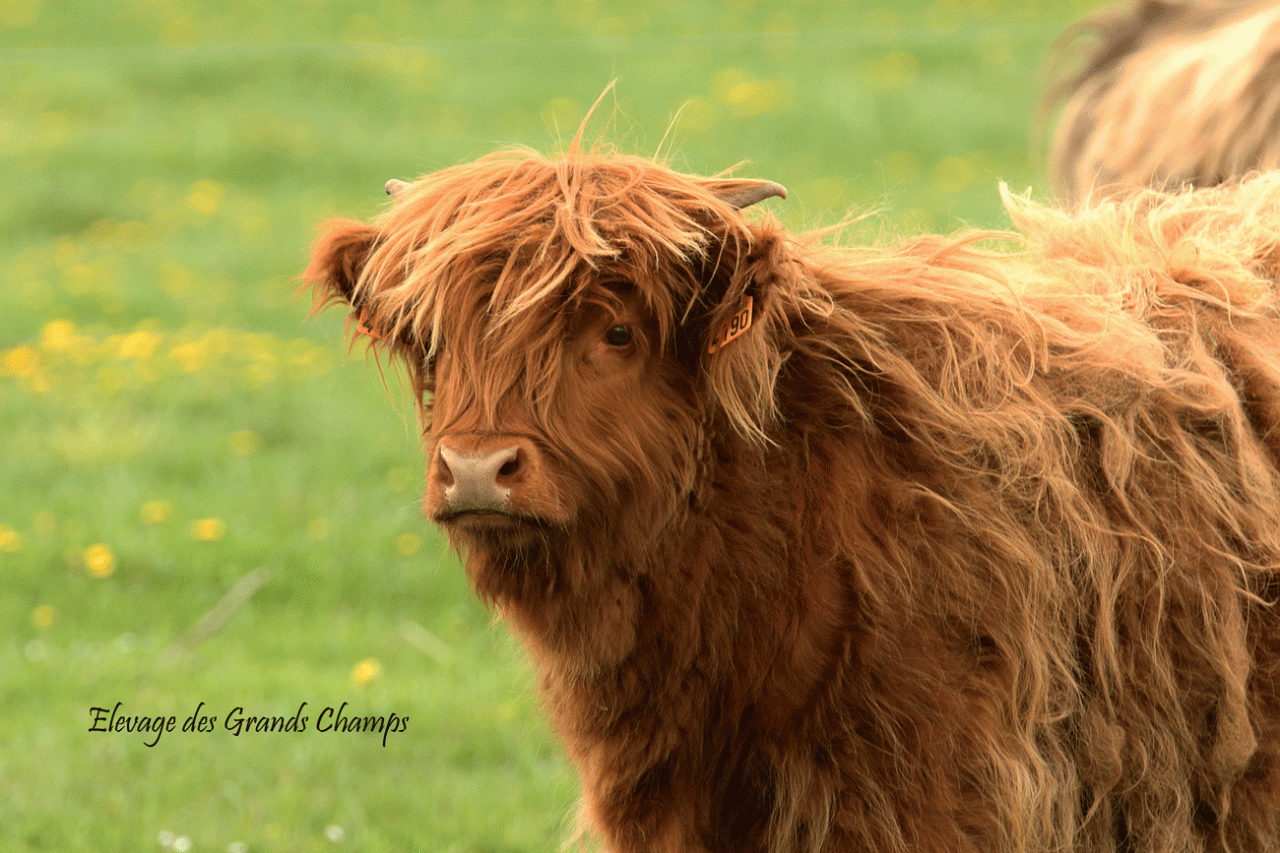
pixel 362 328
pixel 734 326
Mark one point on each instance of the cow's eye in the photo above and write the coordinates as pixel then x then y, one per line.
pixel 618 336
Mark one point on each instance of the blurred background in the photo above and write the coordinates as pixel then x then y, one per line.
pixel 207 497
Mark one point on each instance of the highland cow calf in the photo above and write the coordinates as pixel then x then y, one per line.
pixel 927 548
pixel 1172 93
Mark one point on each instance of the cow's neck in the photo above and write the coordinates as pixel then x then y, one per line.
pixel 666 636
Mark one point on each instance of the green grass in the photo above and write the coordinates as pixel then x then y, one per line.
pixel 173 420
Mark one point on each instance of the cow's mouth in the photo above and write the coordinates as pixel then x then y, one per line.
pixel 493 530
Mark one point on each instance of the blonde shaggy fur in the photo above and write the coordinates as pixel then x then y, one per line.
pixel 970 543
pixel 1170 93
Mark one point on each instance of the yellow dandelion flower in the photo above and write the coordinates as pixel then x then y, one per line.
pixel 365 671
pixel 205 196
pixel 191 355
pixel 20 361
pixel 58 335
pixel 43 616
pixel 139 345
pixel 749 96
pixel 208 529
pixel 156 512
pixel 727 84
pixel 10 540
pixel 408 544
pixel 245 442
pixel 99 560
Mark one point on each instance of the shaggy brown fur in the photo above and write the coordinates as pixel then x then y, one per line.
pixel 1172 93
pixel 957 548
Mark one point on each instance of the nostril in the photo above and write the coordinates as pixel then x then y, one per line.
pixel 443 473
pixel 511 466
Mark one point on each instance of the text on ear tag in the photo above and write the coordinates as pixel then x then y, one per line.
pixel 734 326
pixel 362 328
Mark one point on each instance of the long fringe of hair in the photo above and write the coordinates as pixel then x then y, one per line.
pixel 1168 93
pixel 1089 426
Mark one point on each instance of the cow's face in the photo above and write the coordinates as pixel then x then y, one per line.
pixel 581 416
pixel 556 322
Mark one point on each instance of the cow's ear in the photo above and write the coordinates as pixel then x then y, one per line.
pixel 737 346
pixel 738 268
pixel 338 257
pixel 337 274
pixel 736 277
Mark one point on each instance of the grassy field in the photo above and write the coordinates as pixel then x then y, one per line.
pixel 174 424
